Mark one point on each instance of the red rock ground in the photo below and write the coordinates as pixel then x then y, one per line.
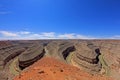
pixel 52 69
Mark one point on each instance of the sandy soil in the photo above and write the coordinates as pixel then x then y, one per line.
pixel 52 69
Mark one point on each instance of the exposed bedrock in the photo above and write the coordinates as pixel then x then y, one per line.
pixel 3 75
pixel 9 53
pixel 31 55
pixel 110 50
pixel 52 49
pixel 59 49
pixel 86 56
pixel 65 49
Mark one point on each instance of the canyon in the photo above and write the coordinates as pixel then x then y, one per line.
pixel 60 60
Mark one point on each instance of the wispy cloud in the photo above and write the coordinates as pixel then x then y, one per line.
pixel 8 35
pixel 48 34
pixel 74 36
pixel 115 37
pixel 4 12
pixel 24 32
pixel 69 36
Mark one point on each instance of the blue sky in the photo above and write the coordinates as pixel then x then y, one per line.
pixel 38 19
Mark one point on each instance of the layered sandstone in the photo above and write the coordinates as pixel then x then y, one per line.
pixel 31 55
pixel 86 56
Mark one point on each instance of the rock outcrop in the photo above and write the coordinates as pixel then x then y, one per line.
pixel 31 55
pixel 86 56
pixel 9 53
pixel 93 56
pixel 65 48
pixel 59 49
pixel 52 49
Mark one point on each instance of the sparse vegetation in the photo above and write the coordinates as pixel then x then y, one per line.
pixel 104 65
pixel 69 57
pixel 29 52
pixel 13 67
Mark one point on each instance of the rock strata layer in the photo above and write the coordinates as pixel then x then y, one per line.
pixel 86 56
pixel 31 55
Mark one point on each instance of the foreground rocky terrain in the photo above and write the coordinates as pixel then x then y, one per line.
pixel 53 69
pixel 92 59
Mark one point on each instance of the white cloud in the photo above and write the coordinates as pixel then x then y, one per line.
pixel 24 32
pixel 67 36
pixel 78 36
pixel 43 35
pixel 8 34
pixel 48 34
pixel 74 36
